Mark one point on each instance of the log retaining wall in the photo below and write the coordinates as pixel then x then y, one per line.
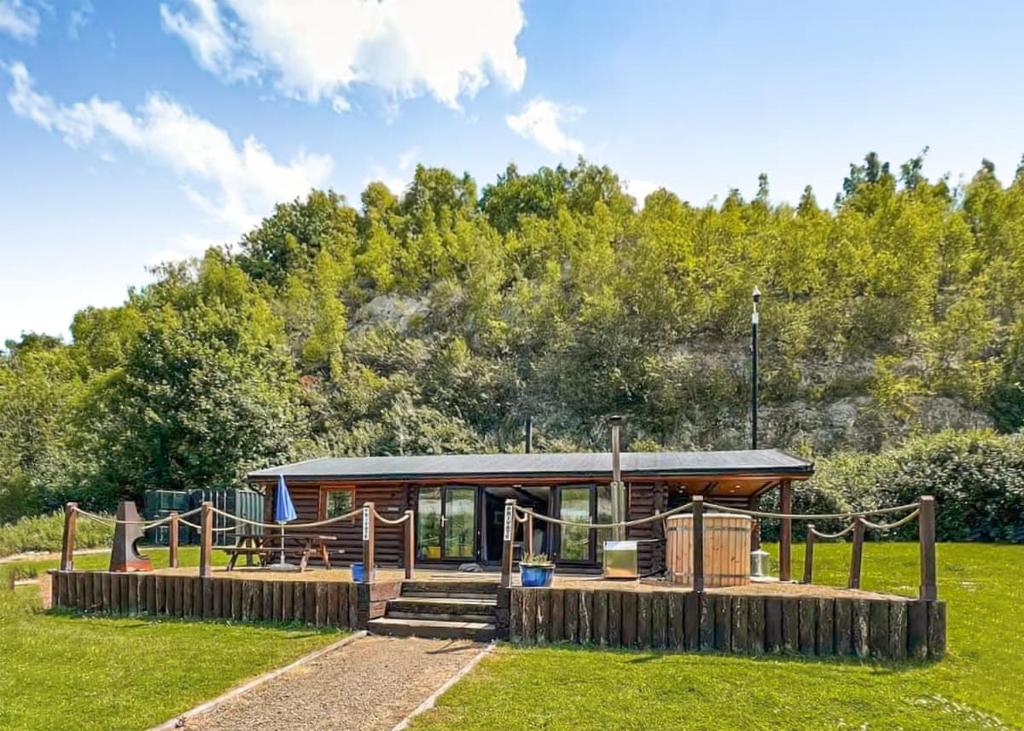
pixel 340 604
pixel 880 628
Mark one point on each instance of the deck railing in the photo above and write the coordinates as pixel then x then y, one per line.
pixel 205 529
pixel 923 511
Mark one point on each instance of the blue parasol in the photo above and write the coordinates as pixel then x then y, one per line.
pixel 284 511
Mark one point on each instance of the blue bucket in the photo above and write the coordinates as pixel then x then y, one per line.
pixel 536 576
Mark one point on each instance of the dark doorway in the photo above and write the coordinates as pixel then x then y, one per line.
pixel 536 498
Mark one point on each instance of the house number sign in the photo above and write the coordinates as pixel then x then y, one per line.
pixel 509 517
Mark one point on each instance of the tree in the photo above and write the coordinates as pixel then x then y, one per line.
pixel 207 392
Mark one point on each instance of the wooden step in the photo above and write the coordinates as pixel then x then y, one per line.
pixel 418 604
pixel 484 618
pixel 433 629
pixel 453 587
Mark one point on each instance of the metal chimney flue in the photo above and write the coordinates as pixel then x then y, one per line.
pixel 618 489
pixel 529 434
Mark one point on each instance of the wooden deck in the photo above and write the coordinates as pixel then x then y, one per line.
pixel 760 618
pixel 582 582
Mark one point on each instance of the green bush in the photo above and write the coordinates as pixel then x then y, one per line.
pixel 976 477
pixel 44 533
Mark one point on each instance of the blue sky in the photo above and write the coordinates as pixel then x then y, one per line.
pixel 131 132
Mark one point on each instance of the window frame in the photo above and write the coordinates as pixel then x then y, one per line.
pixel 325 490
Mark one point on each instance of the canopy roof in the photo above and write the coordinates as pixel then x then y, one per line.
pixel 756 462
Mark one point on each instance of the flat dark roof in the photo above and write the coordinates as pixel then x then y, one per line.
pixel 767 462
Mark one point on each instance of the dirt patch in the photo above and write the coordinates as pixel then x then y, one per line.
pixel 372 683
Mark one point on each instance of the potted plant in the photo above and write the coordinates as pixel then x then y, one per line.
pixel 535 570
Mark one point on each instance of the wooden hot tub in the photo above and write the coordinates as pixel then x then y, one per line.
pixel 726 549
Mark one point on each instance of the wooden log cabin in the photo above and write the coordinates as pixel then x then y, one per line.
pixel 459 499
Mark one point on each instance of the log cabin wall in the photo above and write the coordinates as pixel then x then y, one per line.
pixel 389 499
pixel 643 501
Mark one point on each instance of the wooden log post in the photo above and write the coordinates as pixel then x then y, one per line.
pixel 528 534
pixel 410 545
pixel 809 555
pixel 67 546
pixel 172 541
pixel 698 543
pixel 785 532
pixel 858 554
pixel 506 545
pixel 206 540
pixel 368 542
pixel 928 590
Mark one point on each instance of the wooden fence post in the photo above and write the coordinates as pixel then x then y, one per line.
pixel 172 542
pixel 410 544
pixel 67 547
pixel 506 545
pixel 858 553
pixel 809 555
pixel 206 540
pixel 698 543
pixel 928 590
pixel 368 541
pixel 785 532
pixel 528 534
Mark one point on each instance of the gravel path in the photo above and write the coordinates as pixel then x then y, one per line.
pixel 372 683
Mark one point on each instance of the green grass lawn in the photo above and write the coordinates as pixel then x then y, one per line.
pixel 68 671
pixel 978 685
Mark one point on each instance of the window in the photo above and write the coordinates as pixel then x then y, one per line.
pixel 584 504
pixel 338 502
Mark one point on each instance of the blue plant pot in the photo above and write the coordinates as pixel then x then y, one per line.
pixel 536 576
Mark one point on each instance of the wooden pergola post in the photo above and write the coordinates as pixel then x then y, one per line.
pixel 858 554
pixel 67 546
pixel 508 537
pixel 172 541
pixel 368 541
pixel 410 544
pixel 698 543
pixel 786 532
pixel 809 555
pixel 206 540
pixel 928 589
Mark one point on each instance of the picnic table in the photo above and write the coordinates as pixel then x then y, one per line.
pixel 267 547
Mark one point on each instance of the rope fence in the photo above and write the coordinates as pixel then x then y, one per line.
pixel 146 524
pixel 923 511
pixel 288 526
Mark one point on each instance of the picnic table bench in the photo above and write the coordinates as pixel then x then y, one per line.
pixel 267 547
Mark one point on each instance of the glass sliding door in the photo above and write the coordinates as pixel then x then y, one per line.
pixel 428 524
pixel 446 523
pixel 460 523
pixel 604 515
pixel 584 504
pixel 575 506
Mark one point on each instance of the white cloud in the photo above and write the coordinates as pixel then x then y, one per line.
pixel 541 121
pixel 316 50
pixel 184 246
pixel 235 185
pixel 396 181
pixel 212 43
pixel 79 18
pixel 19 20
pixel 640 189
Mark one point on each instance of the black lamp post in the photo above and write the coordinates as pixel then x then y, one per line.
pixel 753 369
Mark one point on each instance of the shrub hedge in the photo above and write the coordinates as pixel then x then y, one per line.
pixel 977 478
pixel 44 533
